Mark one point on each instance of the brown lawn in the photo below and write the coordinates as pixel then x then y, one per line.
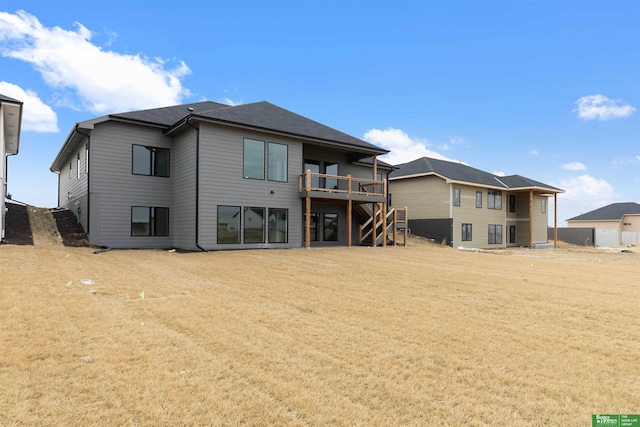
pixel 418 335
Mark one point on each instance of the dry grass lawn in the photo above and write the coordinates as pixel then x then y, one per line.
pixel 419 335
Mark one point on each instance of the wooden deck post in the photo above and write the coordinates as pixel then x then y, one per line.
pixel 374 217
pixel 307 214
pixel 384 225
pixel 307 223
pixel 375 167
pixel 555 220
pixel 531 219
pixel 395 226
pixel 349 221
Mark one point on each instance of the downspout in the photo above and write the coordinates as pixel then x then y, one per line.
pixel 197 128
pixel 88 135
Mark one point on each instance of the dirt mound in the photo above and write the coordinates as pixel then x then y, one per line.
pixel 28 225
pixel 70 229
pixel 17 226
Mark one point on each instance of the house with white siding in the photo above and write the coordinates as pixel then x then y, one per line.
pixel 10 125
pixel 209 176
pixel 463 206
pixel 614 225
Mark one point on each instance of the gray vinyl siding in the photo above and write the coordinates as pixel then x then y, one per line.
pixel 222 183
pixel 73 191
pixel 183 170
pixel 114 189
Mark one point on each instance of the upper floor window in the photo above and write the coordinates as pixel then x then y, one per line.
pixel 151 161
pixel 255 160
pixel 512 202
pixel 277 162
pixel 78 165
pixel 456 197
pixel 494 199
pixel 478 199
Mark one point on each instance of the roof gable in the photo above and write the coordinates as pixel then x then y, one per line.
pixel 612 212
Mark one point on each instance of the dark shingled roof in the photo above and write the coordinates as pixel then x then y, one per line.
pixel 517 181
pixel 168 116
pixel 264 115
pixel 260 115
pixel 614 211
pixel 463 173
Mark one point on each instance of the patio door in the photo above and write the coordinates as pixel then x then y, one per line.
pixel 314 167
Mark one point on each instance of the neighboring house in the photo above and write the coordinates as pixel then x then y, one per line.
pixel 10 124
pixel 209 176
pixel 464 206
pixel 615 224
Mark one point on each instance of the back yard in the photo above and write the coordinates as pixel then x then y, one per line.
pixel 418 335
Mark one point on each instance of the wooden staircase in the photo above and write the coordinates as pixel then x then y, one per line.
pixel 380 228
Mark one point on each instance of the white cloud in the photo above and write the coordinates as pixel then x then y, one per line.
pixel 402 147
pixel 574 166
pixel 583 194
pixel 534 152
pixel 498 173
pixel 602 108
pixel 104 80
pixel 36 115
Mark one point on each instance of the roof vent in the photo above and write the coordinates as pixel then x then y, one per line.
pixel 190 108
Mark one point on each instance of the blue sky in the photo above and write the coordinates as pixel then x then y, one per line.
pixel 546 89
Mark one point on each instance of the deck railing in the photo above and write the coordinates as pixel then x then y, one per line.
pixel 311 181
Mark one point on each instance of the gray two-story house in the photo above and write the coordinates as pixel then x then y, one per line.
pixel 209 176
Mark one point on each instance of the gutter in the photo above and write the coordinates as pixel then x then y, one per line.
pixel 197 128
pixel 88 135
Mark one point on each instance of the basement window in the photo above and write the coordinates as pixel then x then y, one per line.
pixel 278 225
pixel 466 232
pixel 330 227
pixel 149 221
pixel 253 225
pixel 495 234
pixel 228 224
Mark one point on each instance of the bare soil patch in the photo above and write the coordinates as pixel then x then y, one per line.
pixel 418 335
pixel 50 226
